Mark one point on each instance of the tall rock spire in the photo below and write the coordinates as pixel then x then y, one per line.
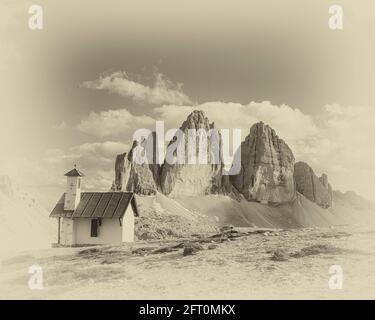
pixel 315 189
pixel 197 178
pixel 267 165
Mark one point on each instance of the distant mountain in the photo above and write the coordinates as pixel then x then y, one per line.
pixel 270 189
pixel 352 200
pixel 352 207
pixel 24 224
pixel 267 165
pixel 172 179
pixel 315 189
pixel 194 179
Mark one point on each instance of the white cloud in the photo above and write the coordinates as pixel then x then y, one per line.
pixel 337 141
pixel 114 123
pixel 162 91
pixel 288 122
pixel 61 126
pixel 88 156
pixel 46 175
pixel 105 149
pixel 344 147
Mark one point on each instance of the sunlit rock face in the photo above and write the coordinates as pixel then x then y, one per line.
pixel 267 166
pixel 315 189
pixel 198 178
pixel 191 176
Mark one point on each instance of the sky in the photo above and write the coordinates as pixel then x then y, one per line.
pixel 75 91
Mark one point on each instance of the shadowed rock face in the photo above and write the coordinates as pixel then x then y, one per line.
pixel 187 179
pixel 131 176
pixel 120 170
pixel 267 166
pixel 194 179
pixel 315 189
pixel 266 175
pixel 268 171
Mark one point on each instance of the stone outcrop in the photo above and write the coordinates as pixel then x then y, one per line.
pixel 315 189
pixel 132 176
pixel 268 173
pixel 189 178
pixel 267 166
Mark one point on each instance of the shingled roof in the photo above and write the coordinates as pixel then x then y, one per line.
pixel 74 173
pixel 106 205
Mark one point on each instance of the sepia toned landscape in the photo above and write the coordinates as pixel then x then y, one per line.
pixel 270 264
pixel 203 151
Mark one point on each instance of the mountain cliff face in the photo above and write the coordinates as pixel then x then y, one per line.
pixel 188 178
pixel 132 176
pixel 315 189
pixel 268 172
pixel 175 178
pixel 267 166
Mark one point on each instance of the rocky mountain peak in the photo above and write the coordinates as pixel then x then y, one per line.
pixel 267 165
pixel 196 120
pixel 315 189
pixel 171 178
pixel 197 178
pixel 268 171
pixel 133 175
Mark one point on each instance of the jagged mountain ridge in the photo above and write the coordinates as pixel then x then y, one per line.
pixel 267 165
pixel 268 174
pixel 315 189
pixel 197 179
pixel 172 179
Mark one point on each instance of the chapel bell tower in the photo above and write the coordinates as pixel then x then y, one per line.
pixel 73 189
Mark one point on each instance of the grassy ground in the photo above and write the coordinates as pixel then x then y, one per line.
pixel 247 264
